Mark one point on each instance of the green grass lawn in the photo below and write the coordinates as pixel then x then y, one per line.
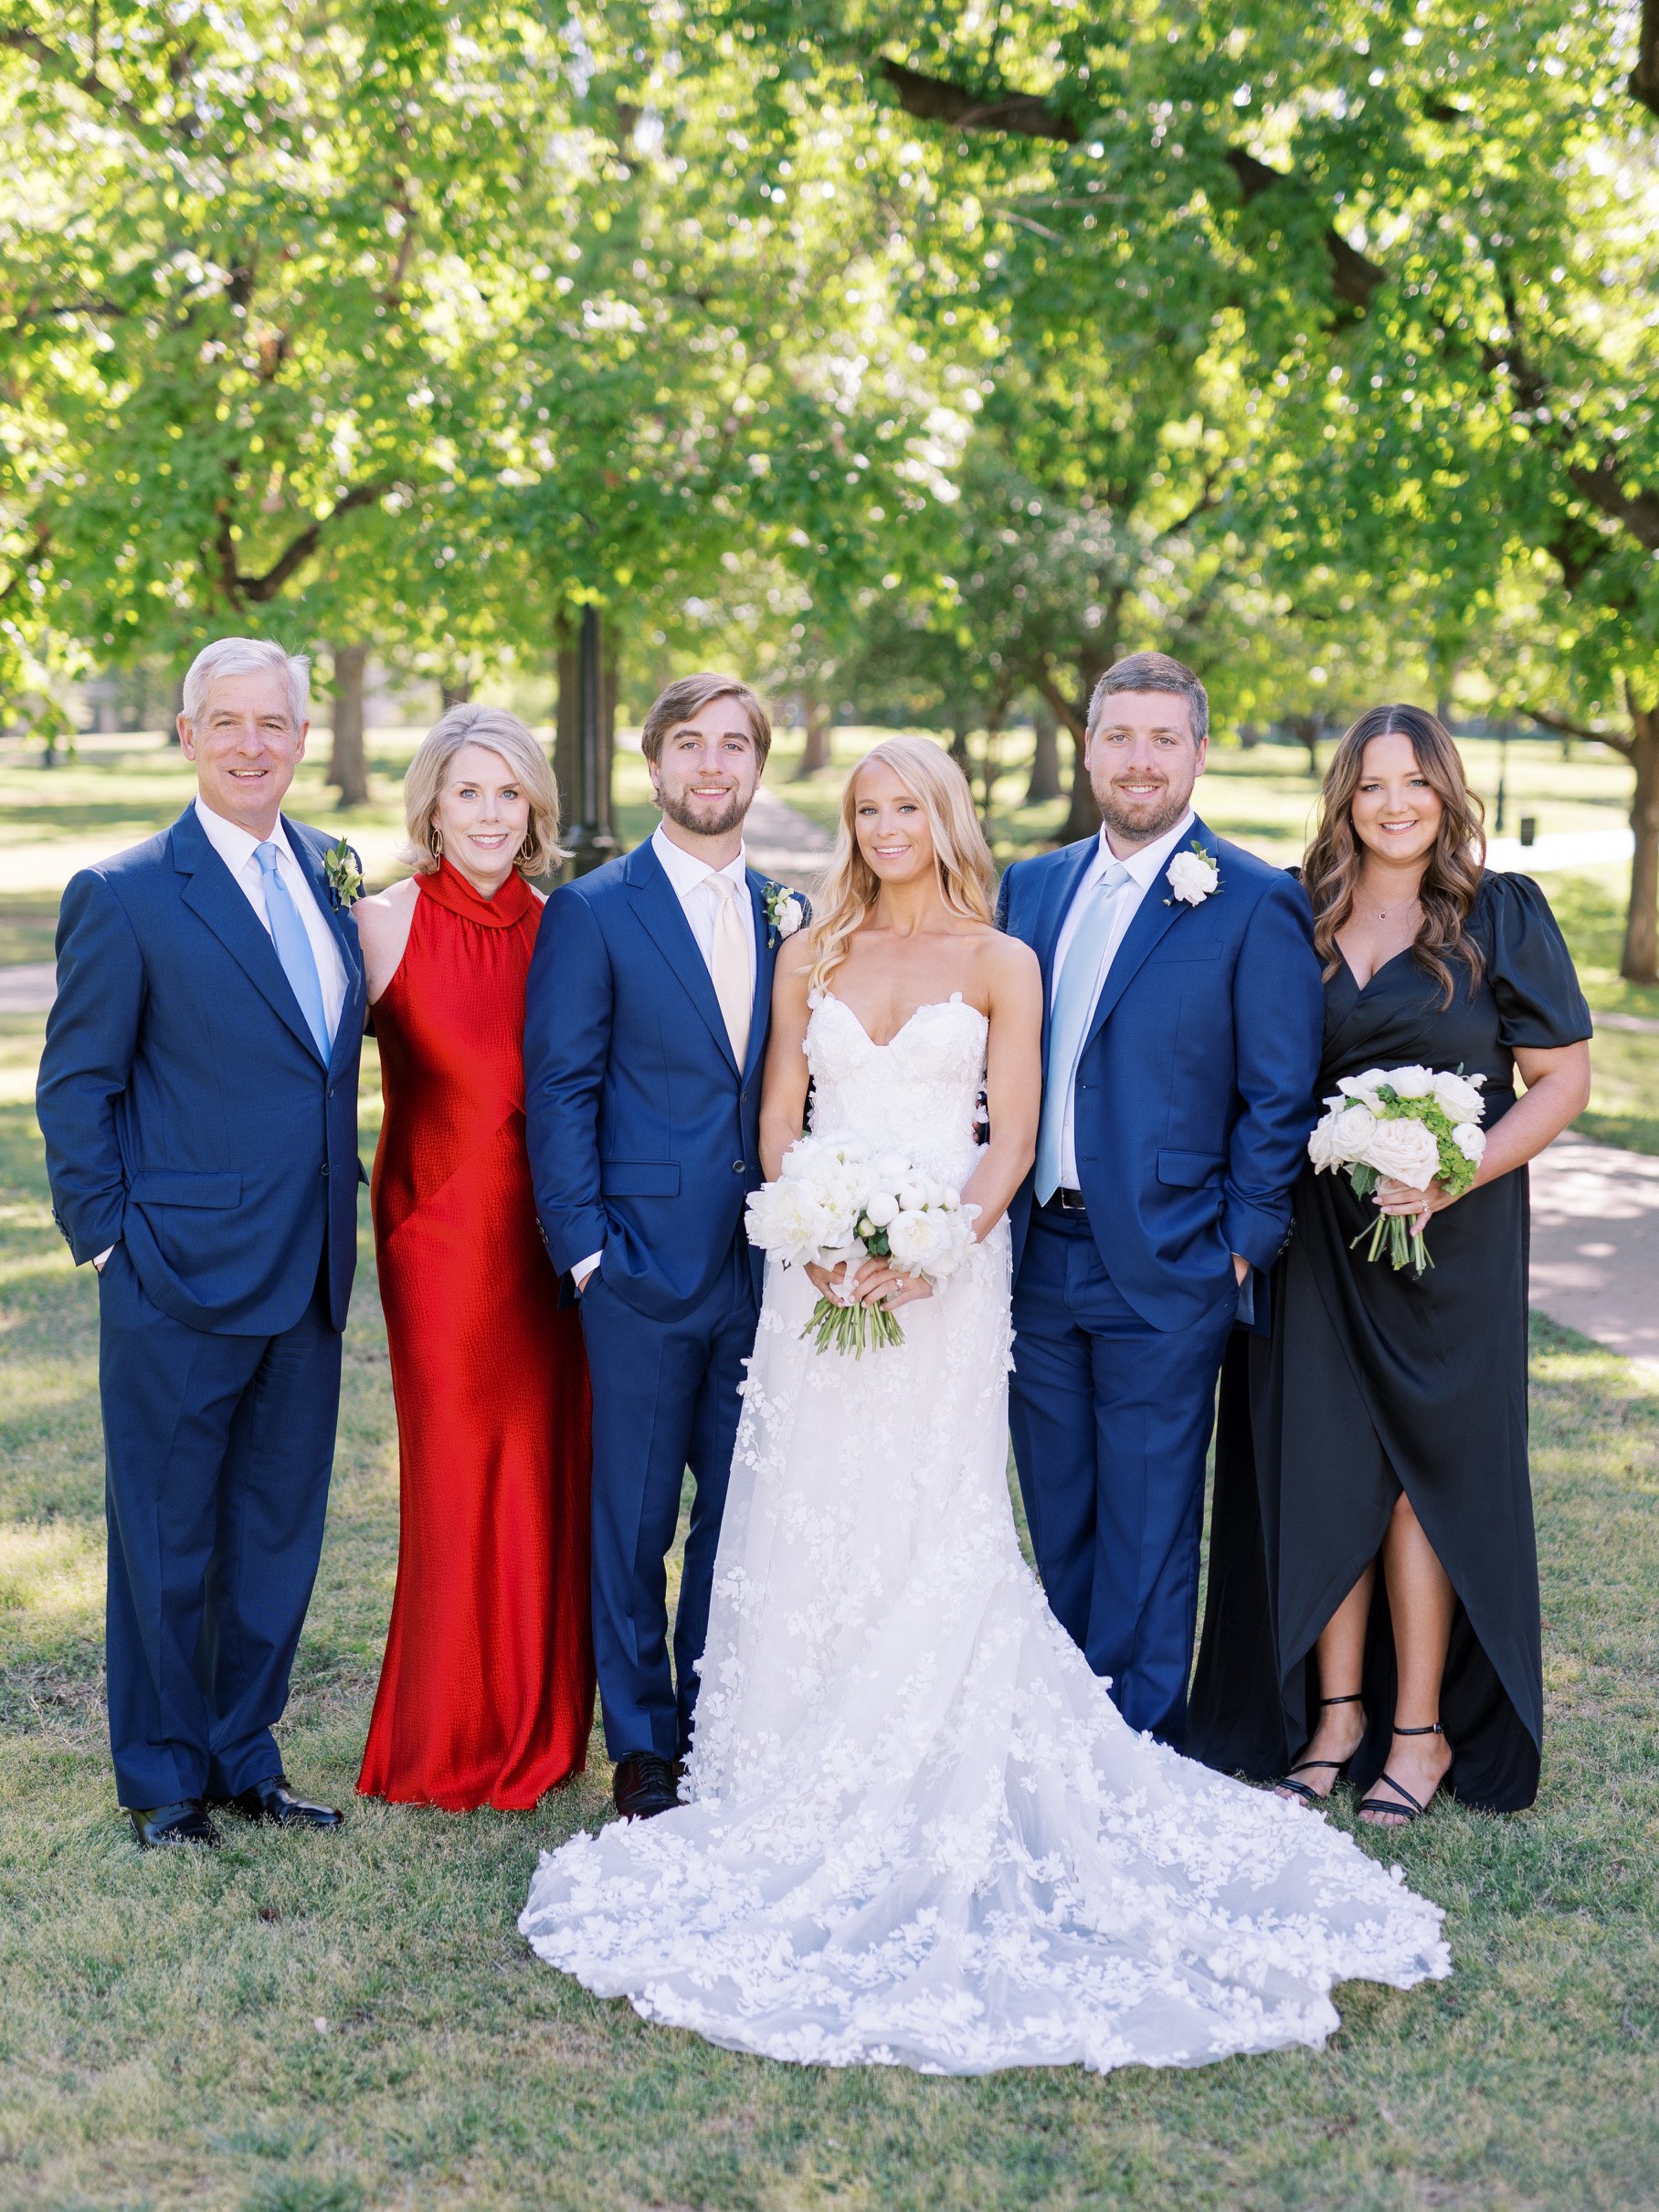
pixel 351 2023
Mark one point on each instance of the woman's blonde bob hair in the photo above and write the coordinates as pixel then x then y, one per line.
pixel 501 732
pixel 967 874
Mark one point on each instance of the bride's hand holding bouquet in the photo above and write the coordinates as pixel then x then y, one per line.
pixel 873 1232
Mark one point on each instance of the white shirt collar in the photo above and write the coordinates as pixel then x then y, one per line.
pixel 235 846
pixel 1145 866
pixel 685 872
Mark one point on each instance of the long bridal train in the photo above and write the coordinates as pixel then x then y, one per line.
pixel 919 1833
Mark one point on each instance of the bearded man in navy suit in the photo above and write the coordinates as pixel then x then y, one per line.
pixel 198 1097
pixel 1181 1042
pixel 646 1016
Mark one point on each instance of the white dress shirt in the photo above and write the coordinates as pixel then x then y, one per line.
pixel 687 876
pixel 1145 868
pixel 235 846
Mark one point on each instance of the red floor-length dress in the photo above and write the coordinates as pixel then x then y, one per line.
pixel 486 1695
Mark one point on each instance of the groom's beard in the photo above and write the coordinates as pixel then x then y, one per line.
pixel 699 821
pixel 1145 822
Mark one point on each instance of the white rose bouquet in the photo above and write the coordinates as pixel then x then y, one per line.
pixel 837 1200
pixel 1418 1126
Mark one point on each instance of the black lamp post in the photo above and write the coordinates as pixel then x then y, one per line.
pixel 1503 779
pixel 590 840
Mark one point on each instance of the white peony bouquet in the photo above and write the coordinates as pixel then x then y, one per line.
pixel 837 1200
pixel 1417 1125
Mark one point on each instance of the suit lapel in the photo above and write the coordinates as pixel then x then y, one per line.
pixel 765 959
pixel 1158 913
pixel 344 930
pixel 662 918
pixel 211 892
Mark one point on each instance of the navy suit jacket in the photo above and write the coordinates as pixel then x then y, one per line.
pixel 643 1131
pixel 1197 1081
pixel 186 1111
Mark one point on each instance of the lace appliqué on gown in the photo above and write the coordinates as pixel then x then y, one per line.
pixel 918 1832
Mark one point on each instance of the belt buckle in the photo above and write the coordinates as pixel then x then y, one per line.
pixel 1072 1201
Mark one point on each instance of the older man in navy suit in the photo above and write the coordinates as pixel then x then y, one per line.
pixel 646 1018
pixel 198 1096
pixel 1181 1052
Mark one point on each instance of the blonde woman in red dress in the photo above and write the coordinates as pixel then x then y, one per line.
pixel 486 1694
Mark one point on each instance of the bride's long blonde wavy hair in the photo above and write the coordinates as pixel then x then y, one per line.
pixel 967 874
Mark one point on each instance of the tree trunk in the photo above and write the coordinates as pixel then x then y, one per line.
pixel 348 766
pixel 814 751
pixel 1640 961
pixel 1044 785
pixel 455 692
pixel 610 658
pixel 567 716
pixel 989 765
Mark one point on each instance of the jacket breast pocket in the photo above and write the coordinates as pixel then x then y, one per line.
pixel 179 1186
pixel 640 1177
pixel 1178 946
pixel 1189 1170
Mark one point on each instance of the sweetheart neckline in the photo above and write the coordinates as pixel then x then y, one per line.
pixel 928 1006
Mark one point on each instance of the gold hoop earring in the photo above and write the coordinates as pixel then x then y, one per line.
pixel 436 841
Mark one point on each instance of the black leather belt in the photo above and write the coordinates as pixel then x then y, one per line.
pixel 1067 1201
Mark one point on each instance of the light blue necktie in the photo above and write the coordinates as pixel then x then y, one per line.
pixel 293 947
pixel 1069 1023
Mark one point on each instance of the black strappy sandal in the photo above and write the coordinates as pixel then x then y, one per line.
pixel 1410 1810
pixel 1289 1782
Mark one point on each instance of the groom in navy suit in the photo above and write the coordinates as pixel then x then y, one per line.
pixel 1181 1052
pixel 198 1097
pixel 645 1034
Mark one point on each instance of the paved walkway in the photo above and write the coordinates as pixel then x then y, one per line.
pixel 1595 1244
pixel 1561 849
pixel 27 989
pixel 782 842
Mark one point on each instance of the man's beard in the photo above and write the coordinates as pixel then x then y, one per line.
pixel 703 824
pixel 1147 829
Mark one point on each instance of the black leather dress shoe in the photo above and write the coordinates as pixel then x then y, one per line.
pixel 272 1801
pixel 644 1785
pixel 160 1826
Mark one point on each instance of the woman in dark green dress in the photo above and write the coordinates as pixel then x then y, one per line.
pixel 1372 1607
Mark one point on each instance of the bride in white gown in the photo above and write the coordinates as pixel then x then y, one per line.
pixel 916 1830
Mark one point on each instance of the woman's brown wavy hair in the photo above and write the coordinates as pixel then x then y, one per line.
pixel 1456 862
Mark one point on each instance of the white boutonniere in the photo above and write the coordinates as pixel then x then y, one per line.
pixel 786 911
pixel 1193 876
pixel 342 872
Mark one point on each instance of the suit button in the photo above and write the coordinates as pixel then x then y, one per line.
pixel 738 1166
pixel 325 1166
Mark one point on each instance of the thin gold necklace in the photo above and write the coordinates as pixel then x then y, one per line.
pixel 1383 912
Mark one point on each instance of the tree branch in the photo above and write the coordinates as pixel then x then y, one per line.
pixel 258 588
pixel 42 539
pixel 1565 727
pixel 61 67
pixel 1354 278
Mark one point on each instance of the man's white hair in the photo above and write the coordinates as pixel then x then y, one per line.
pixel 246 657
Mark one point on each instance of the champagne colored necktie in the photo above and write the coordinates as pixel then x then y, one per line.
pixel 1074 998
pixel 293 947
pixel 729 962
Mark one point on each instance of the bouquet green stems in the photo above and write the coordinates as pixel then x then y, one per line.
pixel 1416 1125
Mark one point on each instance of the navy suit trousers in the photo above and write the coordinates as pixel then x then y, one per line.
pixel 217 1451
pixel 1112 1421
pixel 665 1398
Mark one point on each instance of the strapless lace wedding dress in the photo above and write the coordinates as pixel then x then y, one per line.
pixel 918 1832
